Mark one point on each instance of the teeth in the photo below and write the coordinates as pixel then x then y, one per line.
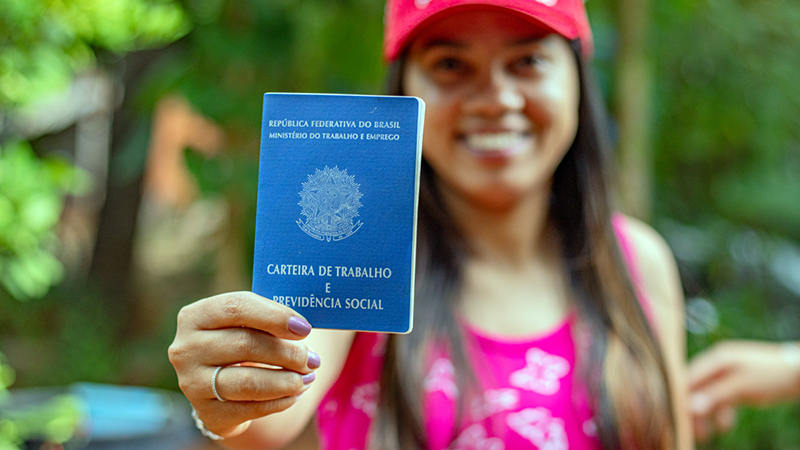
pixel 493 141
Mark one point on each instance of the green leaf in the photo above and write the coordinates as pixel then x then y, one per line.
pixel 41 211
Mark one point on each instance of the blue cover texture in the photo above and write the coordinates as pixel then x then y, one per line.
pixel 337 208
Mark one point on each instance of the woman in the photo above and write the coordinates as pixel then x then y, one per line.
pixel 538 324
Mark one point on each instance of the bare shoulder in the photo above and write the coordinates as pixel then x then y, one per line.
pixel 662 285
pixel 659 271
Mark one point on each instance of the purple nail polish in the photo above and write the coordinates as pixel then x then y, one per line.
pixel 307 379
pixel 314 360
pixel 299 326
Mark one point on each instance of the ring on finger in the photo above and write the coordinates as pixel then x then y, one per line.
pixel 214 384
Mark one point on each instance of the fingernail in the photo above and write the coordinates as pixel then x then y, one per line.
pixel 700 403
pixel 314 360
pixel 299 326
pixel 307 379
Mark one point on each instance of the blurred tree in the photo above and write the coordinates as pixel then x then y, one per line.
pixel 43 45
pixel 633 107
pixel 31 198
pixel 240 49
pixel 728 137
pixel 32 193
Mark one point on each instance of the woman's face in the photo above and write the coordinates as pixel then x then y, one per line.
pixel 502 103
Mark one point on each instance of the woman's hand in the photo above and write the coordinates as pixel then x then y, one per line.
pixel 732 373
pixel 256 341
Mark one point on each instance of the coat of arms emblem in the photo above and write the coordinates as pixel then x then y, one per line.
pixel 330 202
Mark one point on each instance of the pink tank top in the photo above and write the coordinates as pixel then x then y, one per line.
pixel 532 396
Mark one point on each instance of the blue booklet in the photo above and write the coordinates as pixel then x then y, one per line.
pixel 338 188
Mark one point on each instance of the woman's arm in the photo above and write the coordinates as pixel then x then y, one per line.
pixel 269 357
pixel 732 373
pixel 663 287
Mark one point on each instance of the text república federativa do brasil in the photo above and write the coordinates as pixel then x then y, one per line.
pixel 360 125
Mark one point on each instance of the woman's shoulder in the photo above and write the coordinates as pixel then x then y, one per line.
pixel 661 282
pixel 657 270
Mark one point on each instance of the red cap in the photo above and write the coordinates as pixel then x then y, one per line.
pixel 565 17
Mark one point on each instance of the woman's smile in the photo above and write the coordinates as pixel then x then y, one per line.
pixel 494 148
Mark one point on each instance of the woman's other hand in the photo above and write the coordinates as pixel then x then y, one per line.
pixel 257 343
pixel 732 373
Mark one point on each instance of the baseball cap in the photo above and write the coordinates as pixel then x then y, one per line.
pixel 565 17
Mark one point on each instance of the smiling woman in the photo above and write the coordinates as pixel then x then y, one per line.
pixel 542 320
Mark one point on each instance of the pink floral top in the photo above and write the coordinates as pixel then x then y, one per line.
pixel 532 396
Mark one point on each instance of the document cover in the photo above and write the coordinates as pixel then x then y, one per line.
pixel 338 188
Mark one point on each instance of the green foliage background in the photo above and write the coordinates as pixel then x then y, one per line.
pixel 31 197
pixel 726 139
pixel 727 148
pixel 43 45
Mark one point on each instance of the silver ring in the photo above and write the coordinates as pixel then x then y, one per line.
pixel 214 384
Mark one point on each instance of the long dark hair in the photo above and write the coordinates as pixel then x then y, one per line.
pixel 622 366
